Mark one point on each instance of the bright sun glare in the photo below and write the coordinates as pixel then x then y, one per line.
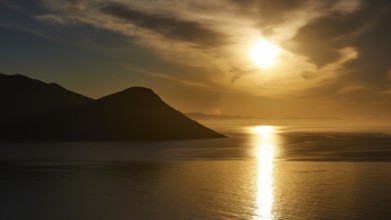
pixel 264 54
pixel 264 130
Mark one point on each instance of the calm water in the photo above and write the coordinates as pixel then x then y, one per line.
pixel 260 172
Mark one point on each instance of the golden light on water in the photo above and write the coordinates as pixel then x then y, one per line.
pixel 264 54
pixel 264 151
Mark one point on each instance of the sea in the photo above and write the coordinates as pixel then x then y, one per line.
pixel 258 172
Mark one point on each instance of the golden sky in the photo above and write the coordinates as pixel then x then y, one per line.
pixel 250 57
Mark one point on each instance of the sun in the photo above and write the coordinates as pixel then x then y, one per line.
pixel 265 54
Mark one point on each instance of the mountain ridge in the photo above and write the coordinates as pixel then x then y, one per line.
pixel 19 93
pixel 136 113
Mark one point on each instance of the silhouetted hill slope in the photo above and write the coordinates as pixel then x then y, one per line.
pixel 133 114
pixel 21 96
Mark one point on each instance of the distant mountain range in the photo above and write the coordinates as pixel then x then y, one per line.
pixel 202 116
pixel 33 110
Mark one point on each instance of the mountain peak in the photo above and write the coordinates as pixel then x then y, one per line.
pixel 138 89
pixel 132 94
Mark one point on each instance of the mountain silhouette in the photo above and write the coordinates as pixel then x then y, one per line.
pixel 136 113
pixel 21 96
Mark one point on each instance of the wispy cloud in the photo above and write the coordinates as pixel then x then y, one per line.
pixel 168 26
pixel 166 76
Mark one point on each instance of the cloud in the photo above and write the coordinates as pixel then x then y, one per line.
pixel 267 12
pixel 26 6
pixel 167 76
pixel 238 73
pixel 329 47
pixel 53 19
pixel 167 26
pixel 308 75
pixel 367 30
pixel 352 89
pixel 387 92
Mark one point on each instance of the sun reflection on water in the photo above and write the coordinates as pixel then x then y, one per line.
pixel 264 150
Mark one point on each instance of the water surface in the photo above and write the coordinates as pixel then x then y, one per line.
pixel 260 172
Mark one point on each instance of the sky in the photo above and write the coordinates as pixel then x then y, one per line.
pixel 333 55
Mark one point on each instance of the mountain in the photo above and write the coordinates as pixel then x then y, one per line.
pixel 136 113
pixel 21 96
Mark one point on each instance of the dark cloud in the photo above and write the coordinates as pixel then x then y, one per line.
pixel 374 47
pixel 308 75
pixel 320 40
pixel 18 15
pixel 26 16
pixel 239 73
pixel 368 31
pixel 168 26
pixel 25 6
